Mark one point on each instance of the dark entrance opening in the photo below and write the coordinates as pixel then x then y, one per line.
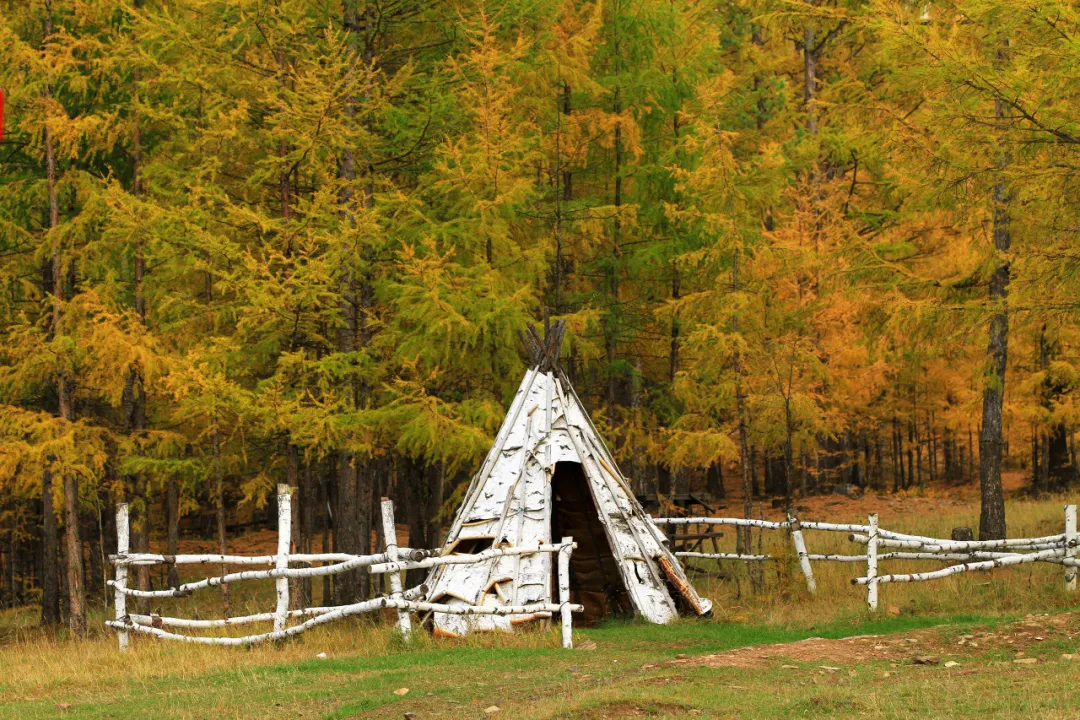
pixel 595 582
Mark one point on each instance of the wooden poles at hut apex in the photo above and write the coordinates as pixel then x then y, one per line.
pixel 393 562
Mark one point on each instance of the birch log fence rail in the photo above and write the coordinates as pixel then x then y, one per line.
pixel 392 561
pixel 969 555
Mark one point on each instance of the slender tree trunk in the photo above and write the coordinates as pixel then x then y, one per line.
pixel 308 507
pixel 810 60
pixel 436 497
pixel 992 512
pixel 50 586
pixel 292 477
pixel 219 502
pixel 611 326
pixel 172 524
pixel 329 530
pixel 75 575
pixel 971 454
pixel 744 537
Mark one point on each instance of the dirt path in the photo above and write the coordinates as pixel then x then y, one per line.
pixel 930 646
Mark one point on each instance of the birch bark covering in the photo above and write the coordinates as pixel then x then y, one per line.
pixel 509 504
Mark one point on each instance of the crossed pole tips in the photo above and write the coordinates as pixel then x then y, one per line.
pixel 543 351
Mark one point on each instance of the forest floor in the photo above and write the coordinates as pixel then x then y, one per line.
pixel 1003 645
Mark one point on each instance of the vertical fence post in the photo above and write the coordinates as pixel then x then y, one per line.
pixel 281 561
pixel 390 538
pixel 800 549
pixel 564 592
pixel 871 563
pixel 1070 547
pixel 123 544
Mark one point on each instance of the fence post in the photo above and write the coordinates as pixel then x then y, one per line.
pixel 123 544
pixel 564 592
pixel 871 563
pixel 390 539
pixel 800 549
pixel 281 561
pixel 1070 547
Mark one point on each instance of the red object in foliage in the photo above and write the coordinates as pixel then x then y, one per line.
pixel 1 113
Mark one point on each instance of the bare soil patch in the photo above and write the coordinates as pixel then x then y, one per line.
pixel 1016 637
pixel 621 710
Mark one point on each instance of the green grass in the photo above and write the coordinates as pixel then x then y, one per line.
pixel 531 677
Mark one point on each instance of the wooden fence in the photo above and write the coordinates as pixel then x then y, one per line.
pixel 968 555
pixel 392 561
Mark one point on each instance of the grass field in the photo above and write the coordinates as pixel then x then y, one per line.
pixel 730 666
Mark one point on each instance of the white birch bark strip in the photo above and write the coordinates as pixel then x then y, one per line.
pixel 151 559
pixel 164 621
pixel 123 541
pixel 959 545
pixel 419 592
pixel 832 527
pixel 187 588
pixel 1070 547
pixel 564 592
pixel 804 560
pixel 956 569
pixel 284 519
pixel 337 613
pixel 739 522
pixel 835 558
pixel 871 564
pixel 388 567
pixel 722 556
pixel 390 538
pixel 161 621
pixel 491 609
pixel 1051 539
pixel 1057 558
pixel 341 612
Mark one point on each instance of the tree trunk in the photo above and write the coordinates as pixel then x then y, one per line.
pixel 714 481
pixel 219 502
pixel 292 471
pixel 75 575
pixel 353 525
pixel 308 507
pixel 329 528
pixel 436 497
pixel 172 525
pixel 992 512
pixel 50 586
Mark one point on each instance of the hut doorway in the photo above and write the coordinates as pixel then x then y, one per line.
pixel 595 581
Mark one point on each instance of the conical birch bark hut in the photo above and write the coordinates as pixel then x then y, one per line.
pixel 549 475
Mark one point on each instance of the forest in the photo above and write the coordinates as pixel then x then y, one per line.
pixel 797 243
